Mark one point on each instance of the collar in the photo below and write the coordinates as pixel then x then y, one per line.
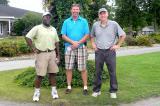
pixel 79 18
pixel 107 23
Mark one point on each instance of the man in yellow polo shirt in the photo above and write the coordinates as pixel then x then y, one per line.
pixel 43 40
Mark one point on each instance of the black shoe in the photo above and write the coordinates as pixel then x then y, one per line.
pixel 85 92
pixel 68 91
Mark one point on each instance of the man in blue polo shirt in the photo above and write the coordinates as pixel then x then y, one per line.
pixel 75 32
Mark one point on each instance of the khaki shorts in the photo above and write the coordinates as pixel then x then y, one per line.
pixel 46 63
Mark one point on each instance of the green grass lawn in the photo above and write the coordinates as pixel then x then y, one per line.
pixel 138 78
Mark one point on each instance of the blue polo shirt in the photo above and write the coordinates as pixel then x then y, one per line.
pixel 75 30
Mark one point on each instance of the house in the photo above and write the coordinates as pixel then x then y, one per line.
pixel 7 16
pixel 148 30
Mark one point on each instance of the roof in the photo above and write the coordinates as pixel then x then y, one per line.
pixel 148 28
pixel 12 11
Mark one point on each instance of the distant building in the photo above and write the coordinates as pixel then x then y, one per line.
pixel 148 30
pixel 7 16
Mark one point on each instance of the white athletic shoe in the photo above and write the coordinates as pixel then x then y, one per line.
pixel 36 96
pixel 95 94
pixel 113 95
pixel 54 94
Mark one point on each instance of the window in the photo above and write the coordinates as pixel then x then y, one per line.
pixel 1 29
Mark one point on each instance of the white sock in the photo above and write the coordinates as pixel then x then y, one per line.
pixel 37 89
pixel 85 87
pixel 53 88
pixel 69 87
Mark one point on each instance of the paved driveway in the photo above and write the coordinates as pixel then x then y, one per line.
pixel 18 64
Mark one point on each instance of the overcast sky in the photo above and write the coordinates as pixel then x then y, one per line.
pixel 33 5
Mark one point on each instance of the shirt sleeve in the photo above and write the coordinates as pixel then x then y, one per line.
pixel 120 31
pixel 92 34
pixel 57 38
pixel 86 29
pixel 64 28
pixel 32 33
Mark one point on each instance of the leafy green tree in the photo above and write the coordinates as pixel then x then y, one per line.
pixel 129 13
pixel 152 11
pixel 23 25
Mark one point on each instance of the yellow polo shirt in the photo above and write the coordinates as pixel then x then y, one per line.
pixel 43 37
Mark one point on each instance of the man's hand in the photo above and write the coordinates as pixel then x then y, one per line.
pixel 94 46
pixel 35 50
pixel 115 47
pixel 58 59
pixel 75 44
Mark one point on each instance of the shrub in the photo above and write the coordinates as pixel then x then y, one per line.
pixel 143 40
pixel 13 46
pixel 8 49
pixel 26 78
pixel 156 38
pixel 130 41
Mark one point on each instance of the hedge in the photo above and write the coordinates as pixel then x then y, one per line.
pixel 27 77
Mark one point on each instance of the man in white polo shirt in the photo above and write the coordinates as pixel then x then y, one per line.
pixel 44 41
pixel 103 38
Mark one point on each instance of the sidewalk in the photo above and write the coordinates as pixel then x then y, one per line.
pixel 28 61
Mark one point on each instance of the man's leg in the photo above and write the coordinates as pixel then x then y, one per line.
pixel 99 63
pixel 69 77
pixel 41 64
pixel 52 80
pixel 37 82
pixel 81 58
pixel 84 77
pixel 37 88
pixel 111 65
pixel 69 64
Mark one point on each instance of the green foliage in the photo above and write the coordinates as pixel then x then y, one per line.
pixel 155 37
pixel 130 41
pixel 138 13
pixel 26 78
pixel 13 46
pixel 143 40
pixel 29 20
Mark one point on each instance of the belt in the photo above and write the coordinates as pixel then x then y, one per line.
pixel 39 51
pixel 104 49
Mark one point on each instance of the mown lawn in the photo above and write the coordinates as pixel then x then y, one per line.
pixel 138 77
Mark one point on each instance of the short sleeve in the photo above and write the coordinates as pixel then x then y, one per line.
pixel 86 27
pixel 92 34
pixel 120 31
pixel 32 33
pixel 57 38
pixel 64 28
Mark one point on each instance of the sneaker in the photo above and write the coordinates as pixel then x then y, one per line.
pixel 85 92
pixel 36 96
pixel 113 95
pixel 95 94
pixel 54 94
pixel 68 91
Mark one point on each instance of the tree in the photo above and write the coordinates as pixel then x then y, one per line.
pixel 129 13
pixel 3 2
pixel 29 20
pixel 152 10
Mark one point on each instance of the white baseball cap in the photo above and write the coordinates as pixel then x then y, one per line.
pixel 47 13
